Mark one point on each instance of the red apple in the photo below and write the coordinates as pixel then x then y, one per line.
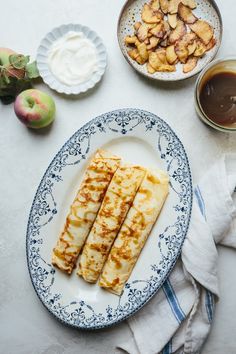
pixel 35 108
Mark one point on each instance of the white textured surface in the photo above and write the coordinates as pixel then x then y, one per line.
pixel 25 326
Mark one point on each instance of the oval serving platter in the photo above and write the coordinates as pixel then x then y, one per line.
pixel 131 13
pixel 138 137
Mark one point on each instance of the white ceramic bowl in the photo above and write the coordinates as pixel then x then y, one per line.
pixel 42 59
pixel 131 12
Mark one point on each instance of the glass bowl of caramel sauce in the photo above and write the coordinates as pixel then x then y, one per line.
pixel 215 95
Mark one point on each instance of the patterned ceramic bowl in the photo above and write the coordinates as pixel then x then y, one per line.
pixel 131 13
pixel 217 66
pixel 42 59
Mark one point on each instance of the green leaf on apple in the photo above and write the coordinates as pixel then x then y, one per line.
pixel 16 73
pixel 32 70
pixel 18 61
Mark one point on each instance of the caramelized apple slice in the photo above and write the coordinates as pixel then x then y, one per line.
pixel 181 51
pixel 149 15
pixel 192 47
pixel 203 30
pixel 164 43
pixel 155 5
pixel 167 29
pixel 173 6
pixel 142 49
pixel 159 62
pixel 142 32
pixel 200 49
pixel 153 42
pixel 190 3
pixel 172 19
pixel 158 31
pixel 150 69
pixel 164 6
pixel 190 64
pixel 140 60
pixel 185 13
pixel 133 53
pixel 181 46
pixel 137 25
pixel 170 54
pixel 211 44
pixel 178 32
pixel 130 40
pixel 161 53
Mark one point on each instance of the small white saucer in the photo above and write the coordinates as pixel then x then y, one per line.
pixel 42 59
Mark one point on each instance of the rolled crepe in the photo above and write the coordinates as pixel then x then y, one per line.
pixel 84 209
pixel 116 203
pixel 134 231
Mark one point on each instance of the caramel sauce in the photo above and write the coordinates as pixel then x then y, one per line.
pixel 218 98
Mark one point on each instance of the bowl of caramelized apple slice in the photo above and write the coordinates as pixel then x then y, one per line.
pixel 169 40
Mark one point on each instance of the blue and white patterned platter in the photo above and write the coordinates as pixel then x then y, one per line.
pixel 139 137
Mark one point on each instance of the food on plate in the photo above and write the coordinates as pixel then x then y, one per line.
pixel 155 5
pixel 153 42
pixel 190 3
pixel 84 209
pixel 203 30
pixel 130 40
pixel 190 64
pixel 159 62
pixel 142 49
pixel 111 218
pixel 172 19
pixel 186 15
pixel 200 48
pixel 181 46
pixel 16 74
pixel 150 69
pixel 137 25
pixel 73 58
pixel 158 31
pixel 135 231
pixel 116 203
pixel 149 15
pixel 35 108
pixel 142 32
pixel 171 54
pixel 191 47
pixel 164 6
pixel 173 6
pixel 211 44
pixel 178 32
pixel 169 25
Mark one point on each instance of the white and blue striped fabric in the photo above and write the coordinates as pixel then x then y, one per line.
pixel 178 319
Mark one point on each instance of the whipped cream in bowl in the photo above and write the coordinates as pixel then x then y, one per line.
pixel 71 59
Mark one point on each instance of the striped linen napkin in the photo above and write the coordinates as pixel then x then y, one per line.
pixel 178 319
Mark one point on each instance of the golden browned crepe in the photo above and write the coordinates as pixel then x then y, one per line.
pixel 134 231
pixel 116 203
pixel 84 209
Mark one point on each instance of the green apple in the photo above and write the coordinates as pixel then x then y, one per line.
pixel 35 108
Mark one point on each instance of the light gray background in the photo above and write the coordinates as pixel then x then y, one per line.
pixel 25 325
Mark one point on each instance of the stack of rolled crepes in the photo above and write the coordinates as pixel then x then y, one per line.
pixel 110 220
